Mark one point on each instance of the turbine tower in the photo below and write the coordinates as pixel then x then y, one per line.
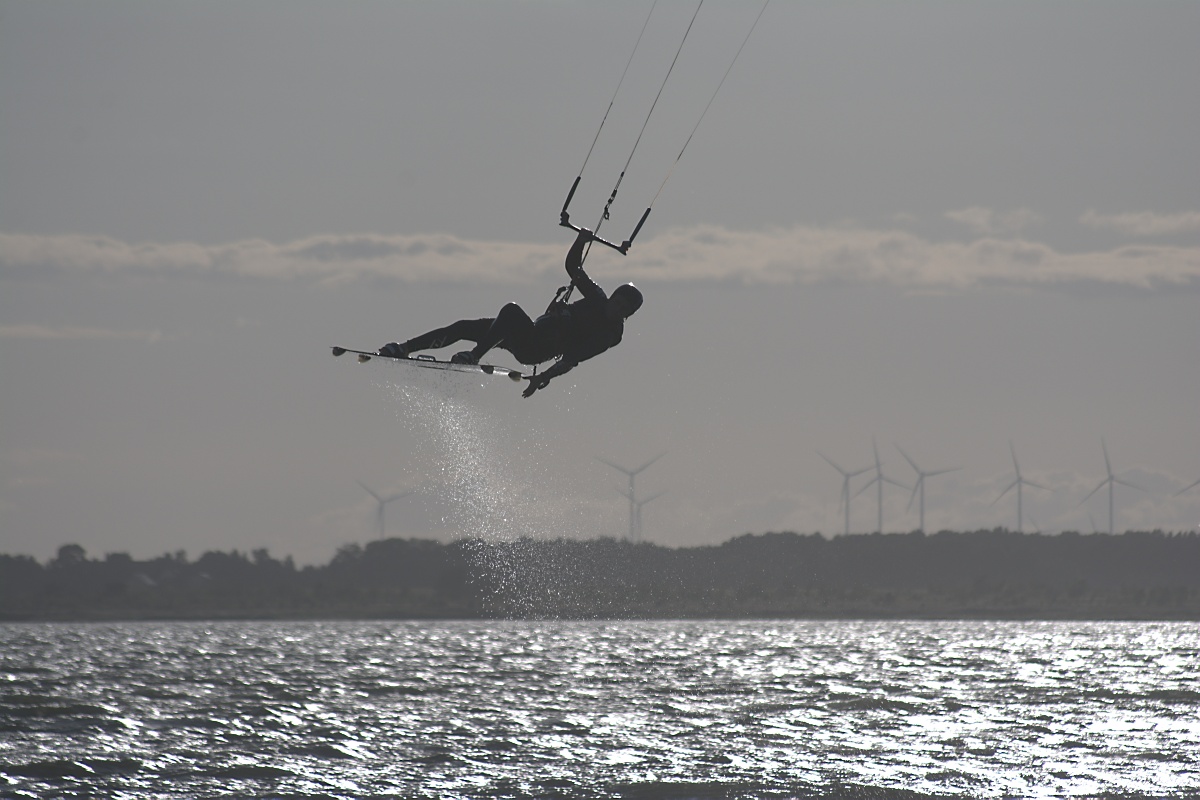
pixel 919 486
pixel 632 493
pixel 1019 482
pixel 638 512
pixel 1110 482
pixel 878 481
pixel 846 476
pixel 382 501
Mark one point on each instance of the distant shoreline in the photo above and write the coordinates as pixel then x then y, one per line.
pixel 992 575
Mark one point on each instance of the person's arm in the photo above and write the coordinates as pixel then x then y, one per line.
pixel 571 359
pixel 580 279
pixel 540 380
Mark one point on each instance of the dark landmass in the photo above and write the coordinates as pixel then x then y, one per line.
pixel 993 574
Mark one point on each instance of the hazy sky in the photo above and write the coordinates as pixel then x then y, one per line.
pixel 948 226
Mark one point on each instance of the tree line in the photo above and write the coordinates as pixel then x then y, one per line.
pixel 995 574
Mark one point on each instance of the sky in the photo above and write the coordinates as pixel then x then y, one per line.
pixel 963 230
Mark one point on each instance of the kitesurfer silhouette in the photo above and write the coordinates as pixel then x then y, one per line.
pixel 570 332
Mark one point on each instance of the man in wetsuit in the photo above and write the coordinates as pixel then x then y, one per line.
pixel 570 332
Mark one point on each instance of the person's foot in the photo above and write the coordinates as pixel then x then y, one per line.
pixel 393 350
pixel 465 357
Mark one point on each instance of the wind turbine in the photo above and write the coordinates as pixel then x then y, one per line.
pixel 879 480
pixel 638 512
pixel 382 501
pixel 632 495
pixel 846 476
pixel 1110 481
pixel 1019 482
pixel 920 484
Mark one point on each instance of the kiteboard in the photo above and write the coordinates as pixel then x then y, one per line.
pixel 429 362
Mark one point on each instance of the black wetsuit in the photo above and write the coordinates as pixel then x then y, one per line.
pixel 572 332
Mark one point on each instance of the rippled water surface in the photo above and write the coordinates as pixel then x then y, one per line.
pixel 578 709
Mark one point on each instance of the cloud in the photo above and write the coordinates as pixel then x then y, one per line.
pixel 901 259
pixel 705 253
pixel 66 333
pixel 986 222
pixel 34 468
pixel 1144 223
pixel 323 259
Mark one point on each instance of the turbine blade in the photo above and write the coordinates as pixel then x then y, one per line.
pixel 368 490
pixel 1107 465
pixel 1037 486
pixel 913 496
pixel 648 463
pixel 833 463
pixel 867 485
pixel 1103 483
pixel 1184 489
pixel 1013 450
pixel 1006 491
pixel 1127 483
pixel 911 463
pixel 942 471
pixel 614 466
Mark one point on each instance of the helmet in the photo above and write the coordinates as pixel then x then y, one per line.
pixel 630 294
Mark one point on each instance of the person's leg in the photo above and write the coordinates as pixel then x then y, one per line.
pixel 471 330
pixel 511 328
pixel 540 343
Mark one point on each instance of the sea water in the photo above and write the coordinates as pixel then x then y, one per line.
pixel 706 709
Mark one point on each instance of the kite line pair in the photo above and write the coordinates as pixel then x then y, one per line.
pixel 564 293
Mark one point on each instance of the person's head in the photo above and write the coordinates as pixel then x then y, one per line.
pixel 625 300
